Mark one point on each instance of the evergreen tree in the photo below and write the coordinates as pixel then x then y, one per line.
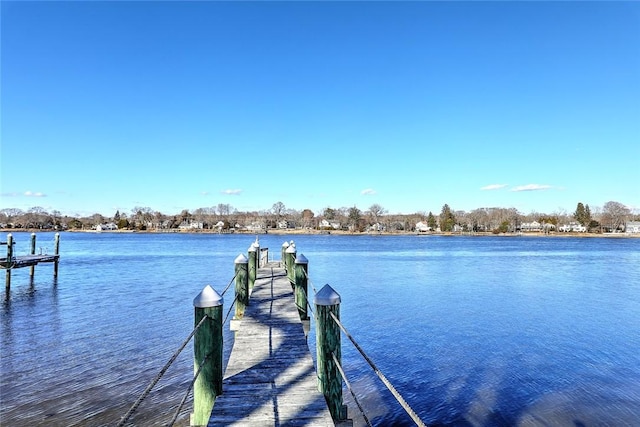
pixel 431 221
pixel 580 214
pixel 447 219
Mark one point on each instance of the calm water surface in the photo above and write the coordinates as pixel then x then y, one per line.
pixel 488 331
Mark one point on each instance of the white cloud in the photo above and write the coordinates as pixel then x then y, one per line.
pixel 232 192
pixel 493 187
pixel 32 194
pixel 368 192
pixel 531 187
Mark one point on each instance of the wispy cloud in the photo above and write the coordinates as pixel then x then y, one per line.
pixel 368 192
pixel 32 194
pixel 204 193
pixel 531 187
pixel 10 194
pixel 493 187
pixel 232 192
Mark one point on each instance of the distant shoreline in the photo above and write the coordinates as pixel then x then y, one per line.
pixel 342 233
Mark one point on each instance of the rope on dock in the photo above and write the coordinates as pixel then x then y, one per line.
pixel 146 392
pixel 346 381
pixel 384 379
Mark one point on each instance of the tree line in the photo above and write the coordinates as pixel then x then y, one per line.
pixel 610 217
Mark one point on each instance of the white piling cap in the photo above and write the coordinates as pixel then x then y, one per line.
pixel 241 259
pixel 285 245
pixel 301 259
pixel 291 250
pixel 327 296
pixel 252 248
pixel 255 244
pixel 208 297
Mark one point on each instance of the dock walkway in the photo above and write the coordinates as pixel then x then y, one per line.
pixel 270 378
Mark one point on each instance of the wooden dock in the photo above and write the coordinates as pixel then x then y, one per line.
pixel 270 379
pixel 27 260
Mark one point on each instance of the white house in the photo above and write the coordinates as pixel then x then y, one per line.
pixel 106 227
pixel 326 224
pixel 530 226
pixel 632 227
pixel 421 227
pixel 573 226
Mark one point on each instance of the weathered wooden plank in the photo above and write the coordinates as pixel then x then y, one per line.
pixel 270 378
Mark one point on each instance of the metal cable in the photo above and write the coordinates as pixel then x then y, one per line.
pixel 346 381
pixel 229 285
pixel 186 395
pixel 384 379
pixel 315 291
pixel 146 392
pixel 229 312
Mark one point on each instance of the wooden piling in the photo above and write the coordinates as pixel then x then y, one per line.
pixel 252 253
pixel 290 256
pixel 208 345
pixel 242 285
pixel 283 255
pixel 9 262
pixel 301 273
pixel 32 269
pixel 56 252
pixel 328 342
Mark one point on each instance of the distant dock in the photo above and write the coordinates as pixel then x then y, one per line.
pixel 11 262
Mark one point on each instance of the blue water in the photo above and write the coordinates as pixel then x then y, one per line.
pixel 471 331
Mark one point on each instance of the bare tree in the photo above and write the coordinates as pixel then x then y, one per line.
pixel 278 209
pixel 614 214
pixel 376 211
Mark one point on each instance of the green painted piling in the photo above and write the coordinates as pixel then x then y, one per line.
pixel 327 301
pixel 208 345
pixel 301 274
pixel 283 255
pixel 9 262
pixel 56 252
pixel 253 264
pixel 290 256
pixel 242 285
pixel 32 270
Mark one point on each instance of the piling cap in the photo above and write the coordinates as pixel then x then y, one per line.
pixel 301 259
pixel 208 297
pixel 291 250
pixel 327 296
pixel 255 244
pixel 285 245
pixel 241 259
pixel 252 248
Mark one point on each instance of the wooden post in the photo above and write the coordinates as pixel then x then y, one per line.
pixel 301 271
pixel 283 255
pixel 290 256
pixel 253 265
pixel 256 244
pixel 242 285
pixel 327 343
pixel 32 270
pixel 9 262
pixel 208 342
pixel 57 253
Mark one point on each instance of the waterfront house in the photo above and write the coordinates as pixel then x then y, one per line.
pixel 632 227
pixel 421 227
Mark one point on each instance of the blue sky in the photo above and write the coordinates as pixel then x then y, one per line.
pixel 410 105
